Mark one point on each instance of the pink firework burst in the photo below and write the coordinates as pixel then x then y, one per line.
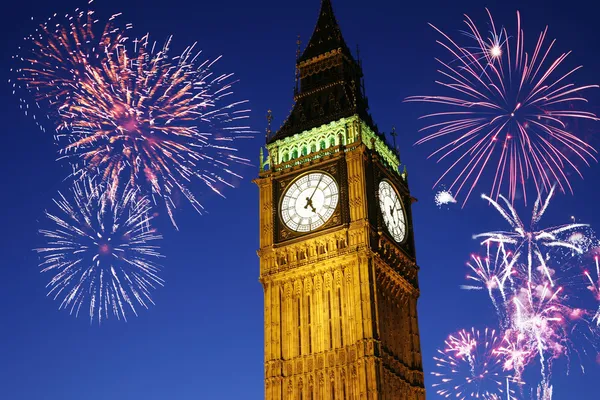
pixel 130 113
pixel 469 367
pixel 507 110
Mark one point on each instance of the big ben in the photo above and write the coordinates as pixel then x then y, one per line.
pixel 337 253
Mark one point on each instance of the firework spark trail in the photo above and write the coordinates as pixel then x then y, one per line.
pixel 594 287
pixel 57 56
pixel 130 114
pixel 508 112
pixel 469 367
pixel 493 273
pixel 540 316
pixel 544 391
pixel 514 352
pixel 532 242
pixel 101 252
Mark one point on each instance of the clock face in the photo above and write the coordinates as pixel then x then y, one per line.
pixel 392 211
pixel 309 202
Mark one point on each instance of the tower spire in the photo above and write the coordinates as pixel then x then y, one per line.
pixel 394 135
pixel 327 35
pixel 329 81
pixel 297 70
pixel 269 120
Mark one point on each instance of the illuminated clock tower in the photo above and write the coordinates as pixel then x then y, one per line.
pixel 337 255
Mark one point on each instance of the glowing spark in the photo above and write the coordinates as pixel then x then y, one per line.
pixel 496 51
pixel 444 197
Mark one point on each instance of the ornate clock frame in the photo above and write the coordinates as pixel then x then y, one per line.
pixel 335 168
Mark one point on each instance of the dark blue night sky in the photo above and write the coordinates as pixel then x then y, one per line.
pixel 204 337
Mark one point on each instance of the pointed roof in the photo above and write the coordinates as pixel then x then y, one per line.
pixel 331 96
pixel 327 35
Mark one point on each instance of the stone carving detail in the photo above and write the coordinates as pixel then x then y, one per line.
pixel 328 281
pixel 288 291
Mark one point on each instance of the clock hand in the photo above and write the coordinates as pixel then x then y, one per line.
pixel 315 191
pixel 312 206
pixel 309 203
pixel 392 209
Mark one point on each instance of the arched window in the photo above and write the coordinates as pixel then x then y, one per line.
pixel 323 145
pixel 286 157
pixel 331 141
pixel 294 154
pixel 313 148
pixel 304 150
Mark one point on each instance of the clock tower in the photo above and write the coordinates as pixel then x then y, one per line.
pixel 337 255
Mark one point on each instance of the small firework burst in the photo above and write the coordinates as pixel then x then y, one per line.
pixel 444 197
pixel 101 251
pixel 469 367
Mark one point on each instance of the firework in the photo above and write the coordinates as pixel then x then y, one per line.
pixel 540 317
pixel 528 275
pixel 532 242
pixel 507 110
pixel 129 113
pixel 493 273
pixel 101 252
pixel 443 198
pixel 515 352
pixel 57 56
pixel 594 287
pixel 469 367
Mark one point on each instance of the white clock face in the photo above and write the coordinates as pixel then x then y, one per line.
pixel 392 211
pixel 309 202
